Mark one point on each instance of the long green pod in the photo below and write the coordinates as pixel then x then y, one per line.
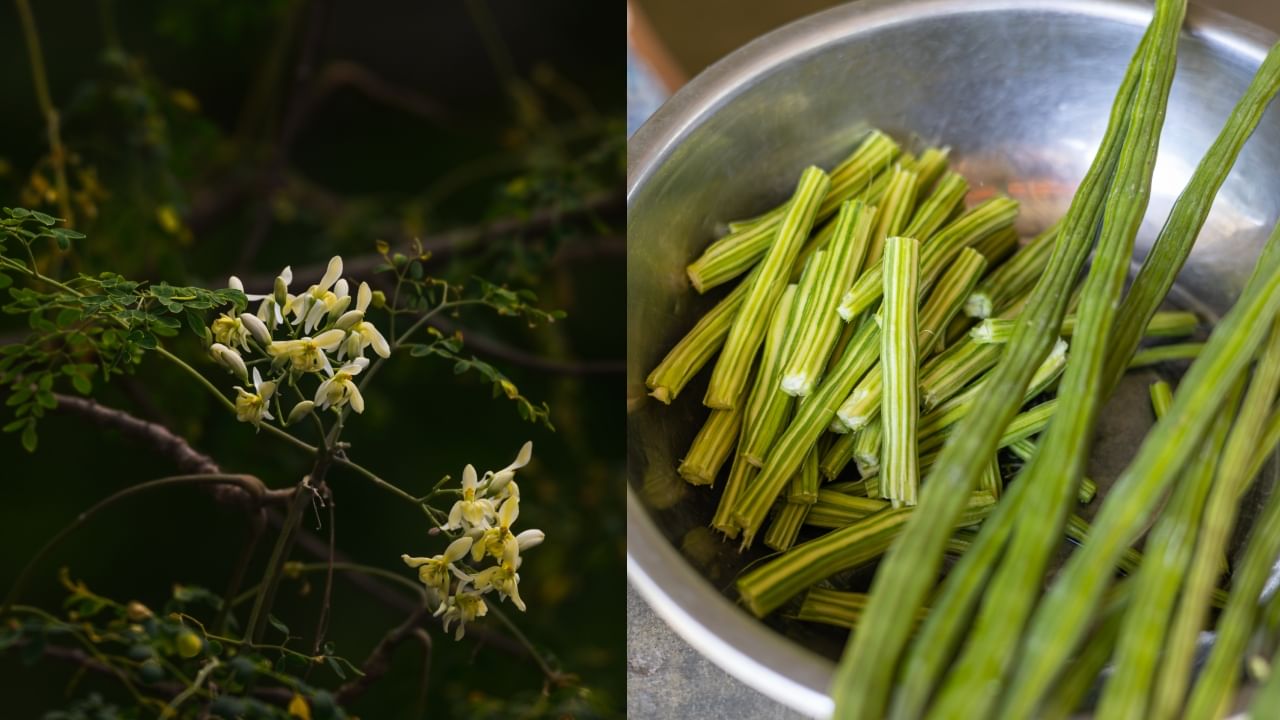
pixel 1176 352
pixel 837 510
pixel 863 676
pixel 711 447
pixel 805 483
pixel 1023 425
pixel 1066 696
pixel 1216 685
pixel 805 428
pixel 935 255
pixel 1161 325
pixel 810 420
pixel 740 474
pixel 935 423
pixel 785 528
pixel 1173 245
pixel 694 350
pixel 821 326
pixel 894 212
pixel 932 164
pixel 899 363
pixel 997 246
pixel 1169 550
pixel 768 586
pixel 775 405
pixel 730 373
pixel 738 251
pixel 1026 449
pixel 870 196
pixel 836 607
pixel 863 404
pixel 951 607
pixel 1062 618
pixel 1078 529
pixel 975 682
pixel 1015 277
pixel 938 207
pixel 949 372
pixel 759 412
pixel 1219 516
pixel 837 456
pixel 867 446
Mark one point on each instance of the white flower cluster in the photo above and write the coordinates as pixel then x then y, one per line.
pixel 298 334
pixel 484 515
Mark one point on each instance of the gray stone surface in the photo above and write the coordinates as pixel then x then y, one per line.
pixel 668 679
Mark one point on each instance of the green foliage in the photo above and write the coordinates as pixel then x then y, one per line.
pixel 167 660
pixel 417 293
pixel 88 326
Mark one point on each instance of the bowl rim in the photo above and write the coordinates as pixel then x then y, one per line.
pixel 682 597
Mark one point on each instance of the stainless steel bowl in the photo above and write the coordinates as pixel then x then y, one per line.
pixel 1019 89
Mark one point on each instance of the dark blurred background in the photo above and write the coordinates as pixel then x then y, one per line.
pixel 209 137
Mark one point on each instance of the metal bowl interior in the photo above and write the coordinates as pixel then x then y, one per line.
pixel 1020 91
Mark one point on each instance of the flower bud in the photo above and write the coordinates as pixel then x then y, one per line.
pixel 257 328
pixel 300 411
pixel 281 291
pixel 530 539
pixel 137 612
pixel 349 318
pixel 231 360
pixel 379 299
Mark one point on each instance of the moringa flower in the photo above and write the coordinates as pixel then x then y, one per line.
pixel 503 578
pixel 230 330
pixel 463 607
pixel 498 541
pixel 252 407
pixel 307 354
pixel 327 297
pixel 500 483
pixel 471 512
pixel 370 336
pixel 434 571
pixel 339 389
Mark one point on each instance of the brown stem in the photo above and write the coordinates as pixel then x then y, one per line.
pixel 159 438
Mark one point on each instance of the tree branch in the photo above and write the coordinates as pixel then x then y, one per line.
pixel 160 439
